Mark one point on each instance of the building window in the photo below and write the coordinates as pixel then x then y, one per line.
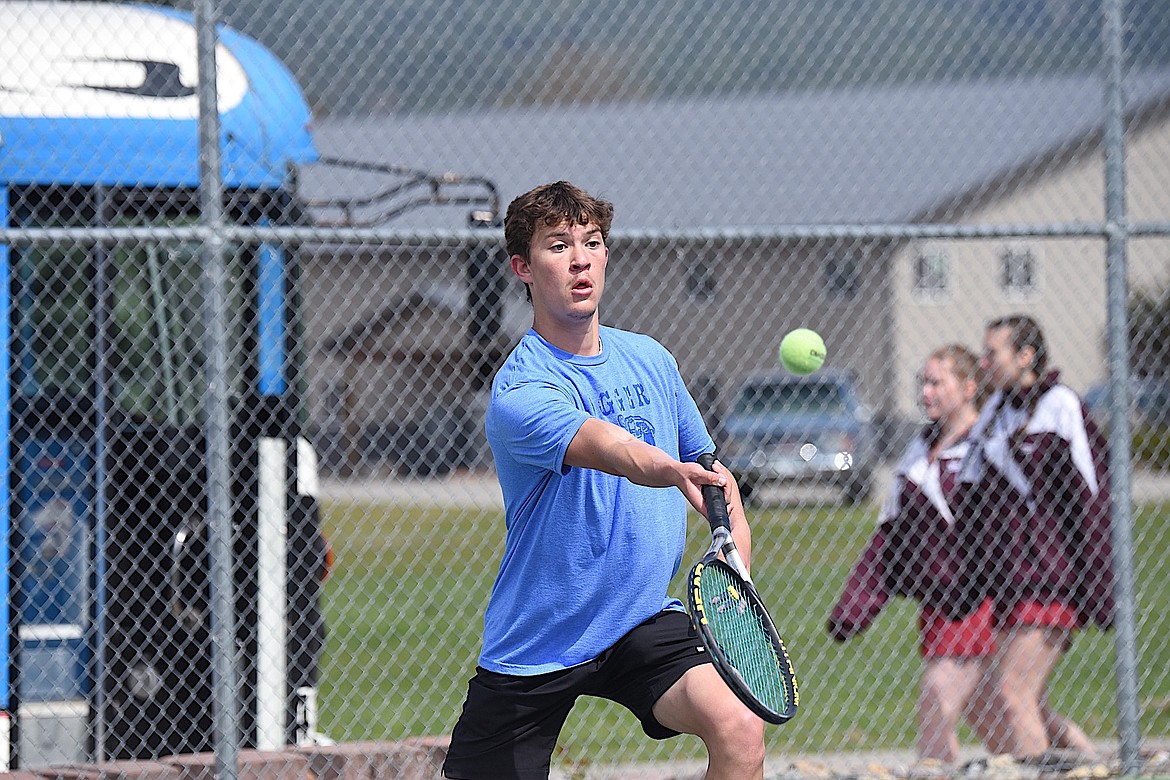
pixel 931 272
pixel 842 272
pixel 700 275
pixel 1017 270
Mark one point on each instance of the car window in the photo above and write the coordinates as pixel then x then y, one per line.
pixel 775 398
pixel 1149 399
pixel 1154 402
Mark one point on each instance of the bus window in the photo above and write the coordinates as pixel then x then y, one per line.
pixel 155 333
pixel 158 327
pixel 54 321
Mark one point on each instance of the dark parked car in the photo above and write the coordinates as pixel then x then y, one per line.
pixel 1149 401
pixel 784 428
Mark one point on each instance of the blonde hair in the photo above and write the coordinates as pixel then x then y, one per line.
pixel 964 364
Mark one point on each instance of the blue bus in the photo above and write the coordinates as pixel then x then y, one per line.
pixel 106 652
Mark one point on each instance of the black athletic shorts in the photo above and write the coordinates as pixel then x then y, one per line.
pixel 510 723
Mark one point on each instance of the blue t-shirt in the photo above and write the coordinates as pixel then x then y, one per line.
pixel 588 555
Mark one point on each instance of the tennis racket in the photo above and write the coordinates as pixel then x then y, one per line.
pixel 734 624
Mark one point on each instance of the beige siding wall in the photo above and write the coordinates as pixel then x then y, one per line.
pixel 762 289
pixel 1069 295
pixel 721 308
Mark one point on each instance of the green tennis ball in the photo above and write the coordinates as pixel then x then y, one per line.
pixel 802 351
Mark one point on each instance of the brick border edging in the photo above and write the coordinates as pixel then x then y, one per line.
pixel 417 758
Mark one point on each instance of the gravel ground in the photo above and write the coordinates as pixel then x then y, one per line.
pixel 899 765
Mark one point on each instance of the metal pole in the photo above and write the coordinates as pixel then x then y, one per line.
pixel 1117 228
pixel 103 329
pixel 223 624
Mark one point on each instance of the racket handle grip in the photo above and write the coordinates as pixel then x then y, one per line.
pixel 714 498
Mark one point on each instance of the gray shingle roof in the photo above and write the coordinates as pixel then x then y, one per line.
pixel 882 154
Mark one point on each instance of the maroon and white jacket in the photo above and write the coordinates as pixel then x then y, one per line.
pixel 1035 523
pixel 913 551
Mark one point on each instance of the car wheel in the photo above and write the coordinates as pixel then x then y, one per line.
pixel 746 489
pixel 856 490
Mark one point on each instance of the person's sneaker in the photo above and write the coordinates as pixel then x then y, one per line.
pixel 930 769
pixel 1057 760
pixel 1094 770
pixel 976 767
pixel 997 767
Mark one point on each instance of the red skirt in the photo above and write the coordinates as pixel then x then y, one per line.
pixel 1033 613
pixel 971 637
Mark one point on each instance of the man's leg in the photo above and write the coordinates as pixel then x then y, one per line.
pixel 700 703
pixel 509 725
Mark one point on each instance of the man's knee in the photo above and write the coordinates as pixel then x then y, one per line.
pixel 738 738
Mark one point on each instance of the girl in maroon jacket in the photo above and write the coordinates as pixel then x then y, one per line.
pixel 912 555
pixel 1038 526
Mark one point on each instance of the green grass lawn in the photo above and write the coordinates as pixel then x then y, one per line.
pixel 404 633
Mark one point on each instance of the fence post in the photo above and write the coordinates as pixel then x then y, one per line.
pixel 1118 330
pixel 223 624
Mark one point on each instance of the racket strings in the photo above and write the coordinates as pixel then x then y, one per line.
pixel 741 632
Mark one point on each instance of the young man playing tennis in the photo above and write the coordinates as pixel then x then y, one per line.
pixel 594 437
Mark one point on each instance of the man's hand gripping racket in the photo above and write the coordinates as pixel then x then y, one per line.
pixel 733 623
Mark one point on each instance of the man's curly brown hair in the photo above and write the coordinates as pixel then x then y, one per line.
pixel 550 205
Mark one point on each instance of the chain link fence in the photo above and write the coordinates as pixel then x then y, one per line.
pixel 250 499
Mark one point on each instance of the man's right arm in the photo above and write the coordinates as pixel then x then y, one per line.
pixel 607 447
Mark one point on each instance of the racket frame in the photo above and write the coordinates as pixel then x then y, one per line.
pixel 732 563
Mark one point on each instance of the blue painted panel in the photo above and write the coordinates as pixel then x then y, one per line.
pixel 273 321
pixel 55 544
pixel 264 131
